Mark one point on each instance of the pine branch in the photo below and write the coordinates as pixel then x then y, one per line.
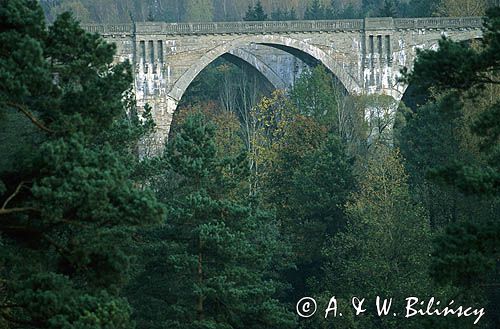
pixel 21 108
pixel 16 210
pixel 13 195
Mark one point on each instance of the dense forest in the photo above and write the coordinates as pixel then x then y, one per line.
pixel 260 198
pixel 112 11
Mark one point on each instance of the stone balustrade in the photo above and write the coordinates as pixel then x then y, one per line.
pixel 285 26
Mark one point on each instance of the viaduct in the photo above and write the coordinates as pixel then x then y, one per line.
pixel 366 55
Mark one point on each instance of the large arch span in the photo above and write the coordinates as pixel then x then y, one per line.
pixel 291 45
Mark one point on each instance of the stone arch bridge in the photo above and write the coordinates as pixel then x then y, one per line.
pixel 366 55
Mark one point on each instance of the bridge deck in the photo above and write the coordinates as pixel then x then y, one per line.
pixel 381 23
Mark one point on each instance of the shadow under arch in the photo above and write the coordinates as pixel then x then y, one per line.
pixel 248 70
pixel 304 51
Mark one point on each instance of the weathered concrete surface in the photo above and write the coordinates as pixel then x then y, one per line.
pixel 365 55
pixel 279 67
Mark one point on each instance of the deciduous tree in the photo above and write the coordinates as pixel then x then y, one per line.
pixel 384 249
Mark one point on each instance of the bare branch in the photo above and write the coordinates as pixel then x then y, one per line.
pixel 21 108
pixel 16 210
pixel 62 250
pixel 13 195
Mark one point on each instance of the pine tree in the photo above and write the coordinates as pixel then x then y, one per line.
pixel 467 69
pixel 315 11
pixel 371 7
pixel 389 9
pixel 284 15
pixel 250 14
pixel 422 8
pixel 466 254
pixel 69 204
pixel 255 13
pixel 260 14
pixel 221 252
pixel 339 10
pixel 307 183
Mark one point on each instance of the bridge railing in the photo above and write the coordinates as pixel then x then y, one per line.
pixel 438 22
pixel 285 26
pixel 109 28
pixel 250 27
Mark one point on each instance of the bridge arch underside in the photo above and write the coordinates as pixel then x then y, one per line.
pixel 240 48
pixel 251 65
pixel 246 60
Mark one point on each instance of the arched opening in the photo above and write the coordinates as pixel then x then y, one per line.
pixel 226 88
pixel 239 52
pixel 306 52
pixel 214 78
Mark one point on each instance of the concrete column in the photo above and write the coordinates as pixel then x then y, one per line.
pixel 371 44
pixel 147 66
pixel 380 49
pixel 153 56
pixel 142 55
pixel 161 51
pixel 381 61
pixel 388 49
